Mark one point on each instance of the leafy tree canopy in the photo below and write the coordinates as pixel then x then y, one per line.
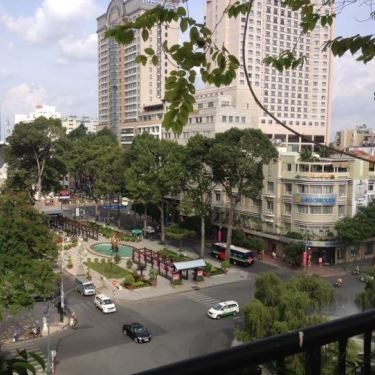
pixel 33 156
pixel 27 253
pixel 358 228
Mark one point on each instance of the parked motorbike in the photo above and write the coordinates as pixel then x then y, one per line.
pixel 356 271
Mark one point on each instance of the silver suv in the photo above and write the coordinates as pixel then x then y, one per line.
pixel 85 287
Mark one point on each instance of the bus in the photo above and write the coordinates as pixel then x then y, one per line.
pixel 238 255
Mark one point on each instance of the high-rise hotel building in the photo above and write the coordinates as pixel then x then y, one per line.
pixel 300 98
pixel 130 93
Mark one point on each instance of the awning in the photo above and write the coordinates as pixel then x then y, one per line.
pixel 190 264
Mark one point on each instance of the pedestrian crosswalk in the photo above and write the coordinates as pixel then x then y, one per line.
pixel 32 345
pixel 201 298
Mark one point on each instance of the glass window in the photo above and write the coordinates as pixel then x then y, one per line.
pixel 288 188
pixel 270 187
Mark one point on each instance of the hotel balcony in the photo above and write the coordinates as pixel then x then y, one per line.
pixel 256 357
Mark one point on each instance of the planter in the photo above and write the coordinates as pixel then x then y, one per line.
pixel 129 287
pixel 154 282
pixel 207 274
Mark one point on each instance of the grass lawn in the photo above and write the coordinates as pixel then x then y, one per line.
pixel 108 270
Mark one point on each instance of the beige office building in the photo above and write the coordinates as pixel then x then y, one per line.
pixel 131 92
pixel 360 136
pixel 309 198
pixel 300 98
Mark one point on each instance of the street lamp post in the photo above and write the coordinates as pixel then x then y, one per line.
pixel 62 301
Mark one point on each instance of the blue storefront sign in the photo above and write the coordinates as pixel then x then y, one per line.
pixel 315 200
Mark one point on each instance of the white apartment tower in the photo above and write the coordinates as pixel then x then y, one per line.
pixel 131 92
pixel 300 98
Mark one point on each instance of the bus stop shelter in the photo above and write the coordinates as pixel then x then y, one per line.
pixel 195 265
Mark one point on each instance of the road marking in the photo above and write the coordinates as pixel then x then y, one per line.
pixel 201 298
pixel 29 346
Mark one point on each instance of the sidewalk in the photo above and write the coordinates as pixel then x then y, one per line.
pixel 164 286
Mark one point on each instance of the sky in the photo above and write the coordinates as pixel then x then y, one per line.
pixel 49 48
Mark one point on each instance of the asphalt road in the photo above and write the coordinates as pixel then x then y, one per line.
pixel 178 323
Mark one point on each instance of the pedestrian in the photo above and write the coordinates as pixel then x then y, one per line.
pixel 274 254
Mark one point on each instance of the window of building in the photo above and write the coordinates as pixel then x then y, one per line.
pixel 302 188
pixel 288 188
pixel 301 209
pixel 287 209
pixel 315 210
pixel 327 210
pixel 270 206
pixel 342 190
pixel 341 210
pixel 217 196
pixel 270 187
pixel 315 189
pixel 327 189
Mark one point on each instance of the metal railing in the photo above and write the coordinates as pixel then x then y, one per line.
pixel 246 358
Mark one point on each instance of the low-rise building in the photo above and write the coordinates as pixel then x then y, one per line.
pixel 308 197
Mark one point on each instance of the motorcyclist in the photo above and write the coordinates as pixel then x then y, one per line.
pixel 73 320
pixel 35 330
pixel 339 282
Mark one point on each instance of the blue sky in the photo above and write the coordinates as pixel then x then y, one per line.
pixel 48 56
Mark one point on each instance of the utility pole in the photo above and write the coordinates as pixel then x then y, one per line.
pixel 62 302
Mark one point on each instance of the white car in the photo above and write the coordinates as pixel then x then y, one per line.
pixel 223 309
pixel 104 303
pixel 150 229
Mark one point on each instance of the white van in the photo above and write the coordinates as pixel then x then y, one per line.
pixel 104 303
pixel 223 309
pixel 85 287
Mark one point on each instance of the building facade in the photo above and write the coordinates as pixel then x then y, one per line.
pixel 300 98
pixel 129 92
pixel 308 198
pixel 214 112
pixel 71 123
pixel 47 111
pixel 361 136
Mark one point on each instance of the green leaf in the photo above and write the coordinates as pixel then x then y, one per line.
pixel 184 24
pixel 155 60
pixel 149 51
pixel 144 34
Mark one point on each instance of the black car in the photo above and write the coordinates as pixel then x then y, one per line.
pixel 137 332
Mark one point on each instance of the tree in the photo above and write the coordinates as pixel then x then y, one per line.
pixel 199 183
pixel 95 161
pixel 177 233
pixel 200 53
pixel 33 158
pixel 239 238
pixel 293 252
pixel 27 254
pixel 154 171
pixel 366 299
pixel 354 230
pixel 237 158
pixel 280 307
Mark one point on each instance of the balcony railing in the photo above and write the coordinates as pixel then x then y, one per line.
pixel 246 358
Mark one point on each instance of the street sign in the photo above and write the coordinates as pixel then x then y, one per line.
pixel 114 282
